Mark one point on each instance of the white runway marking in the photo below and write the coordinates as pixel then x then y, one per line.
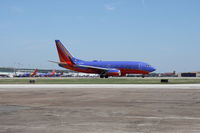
pixel 6 87
pixel 168 117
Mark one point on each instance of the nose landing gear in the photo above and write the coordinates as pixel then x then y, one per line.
pixel 103 76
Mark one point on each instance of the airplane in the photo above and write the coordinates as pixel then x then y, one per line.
pixel 103 68
pixel 168 74
pixel 6 74
pixel 27 74
pixel 47 74
pixel 58 74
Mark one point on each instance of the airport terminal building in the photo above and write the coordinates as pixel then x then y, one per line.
pixel 189 74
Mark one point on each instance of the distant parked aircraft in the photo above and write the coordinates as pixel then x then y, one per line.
pixel 169 74
pixel 58 74
pixel 6 74
pixel 103 68
pixel 47 74
pixel 27 74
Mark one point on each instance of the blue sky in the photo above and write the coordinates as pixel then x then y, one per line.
pixel 164 33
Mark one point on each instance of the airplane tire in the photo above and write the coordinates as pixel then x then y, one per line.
pixel 101 76
pixel 106 76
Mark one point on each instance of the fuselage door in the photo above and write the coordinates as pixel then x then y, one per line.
pixel 140 66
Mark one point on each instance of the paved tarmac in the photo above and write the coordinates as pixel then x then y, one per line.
pixel 100 108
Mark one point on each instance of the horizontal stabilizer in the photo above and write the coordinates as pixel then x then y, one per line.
pixel 58 62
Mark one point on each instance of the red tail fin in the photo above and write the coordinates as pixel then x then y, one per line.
pixel 53 73
pixel 32 74
pixel 63 53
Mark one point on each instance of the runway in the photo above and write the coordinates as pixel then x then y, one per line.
pixel 108 108
pixel 27 87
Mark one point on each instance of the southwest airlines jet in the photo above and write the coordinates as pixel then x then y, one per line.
pixel 28 74
pixel 103 68
pixel 47 74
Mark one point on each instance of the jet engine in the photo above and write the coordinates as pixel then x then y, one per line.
pixel 113 72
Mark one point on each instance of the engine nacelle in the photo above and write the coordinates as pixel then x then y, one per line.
pixel 114 72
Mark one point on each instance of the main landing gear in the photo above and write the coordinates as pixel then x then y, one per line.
pixel 143 76
pixel 103 76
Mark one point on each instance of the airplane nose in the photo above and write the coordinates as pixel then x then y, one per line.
pixel 152 69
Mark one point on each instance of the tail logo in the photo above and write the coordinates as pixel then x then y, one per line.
pixel 63 49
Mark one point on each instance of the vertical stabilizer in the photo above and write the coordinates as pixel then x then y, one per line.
pixel 33 74
pixel 63 53
pixel 53 73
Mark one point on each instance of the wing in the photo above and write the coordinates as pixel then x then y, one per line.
pixel 100 69
pixel 93 67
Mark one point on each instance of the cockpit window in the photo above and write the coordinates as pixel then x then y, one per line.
pixel 147 65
